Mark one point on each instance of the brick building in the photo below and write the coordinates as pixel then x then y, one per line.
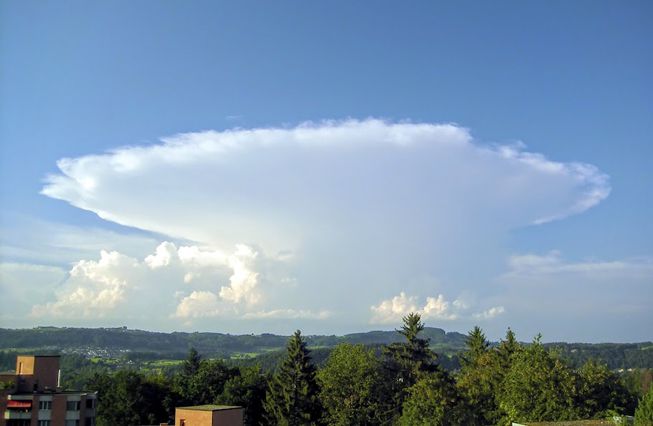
pixel 32 397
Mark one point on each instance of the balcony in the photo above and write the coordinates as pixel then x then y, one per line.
pixel 17 415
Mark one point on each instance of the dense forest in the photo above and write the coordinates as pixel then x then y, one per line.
pixel 399 382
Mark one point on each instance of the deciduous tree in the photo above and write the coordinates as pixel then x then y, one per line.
pixel 352 387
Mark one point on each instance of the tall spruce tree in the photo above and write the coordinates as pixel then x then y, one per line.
pixel 507 349
pixel 477 345
pixel 192 362
pixel 406 362
pixel 292 397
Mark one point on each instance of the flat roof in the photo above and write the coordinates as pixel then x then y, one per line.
pixel 55 392
pixel 210 407
pixel 40 356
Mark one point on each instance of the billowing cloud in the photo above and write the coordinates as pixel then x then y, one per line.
pixel 94 287
pixel 114 285
pixel 199 304
pixel 392 311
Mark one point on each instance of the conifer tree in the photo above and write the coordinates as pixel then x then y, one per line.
pixel 405 362
pixel 292 397
pixel 477 345
pixel 480 377
pixel 407 359
pixel 192 362
pixel 507 348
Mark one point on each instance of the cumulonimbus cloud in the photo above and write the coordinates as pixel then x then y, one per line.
pixel 364 207
pixel 273 184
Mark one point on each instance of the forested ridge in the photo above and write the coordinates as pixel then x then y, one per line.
pixel 402 381
pixel 139 345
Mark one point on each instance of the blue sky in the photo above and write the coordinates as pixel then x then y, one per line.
pixel 440 132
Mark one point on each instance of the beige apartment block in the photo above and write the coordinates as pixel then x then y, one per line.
pixel 31 396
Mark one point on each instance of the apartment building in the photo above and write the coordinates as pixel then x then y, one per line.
pixel 31 396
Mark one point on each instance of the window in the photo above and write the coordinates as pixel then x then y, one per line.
pixel 90 421
pixel 45 405
pixel 90 403
pixel 44 423
pixel 72 405
pixel 72 422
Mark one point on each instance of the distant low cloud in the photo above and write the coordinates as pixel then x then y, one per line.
pixel 392 311
pixel 289 314
pixel 564 298
pixel 541 267
pixel 193 278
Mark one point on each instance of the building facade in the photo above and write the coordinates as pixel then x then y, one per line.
pixel 32 397
pixel 209 415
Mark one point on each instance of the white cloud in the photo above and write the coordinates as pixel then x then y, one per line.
pixel 528 267
pixel 564 299
pixel 118 285
pixel 490 313
pixel 436 308
pixel 272 185
pixel 93 288
pixel 353 208
pixel 394 309
pixel 244 281
pixel 199 304
pixel 289 314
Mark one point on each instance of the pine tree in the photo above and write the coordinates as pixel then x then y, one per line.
pixel 477 345
pixel 507 348
pixel 292 397
pixel 413 356
pixel 192 362
pixel 405 362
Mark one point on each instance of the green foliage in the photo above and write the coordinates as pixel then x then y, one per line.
pixel 246 389
pixel 507 348
pixel 292 397
pixel 638 380
pixel 352 387
pixel 434 401
pixel 481 377
pixel 644 412
pixel 601 392
pixel 538 387
pixel 405 362
pixel 209 381
pixel 191 363
pixel 476 344
pixel 479 383
pixel 129 398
